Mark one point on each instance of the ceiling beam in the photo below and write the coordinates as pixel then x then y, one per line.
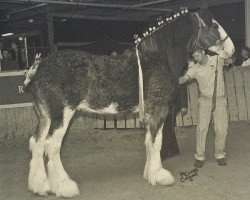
pixel 96 5
pixel 150 3
pixel 195 4
pixel 27 9
pixel 135 18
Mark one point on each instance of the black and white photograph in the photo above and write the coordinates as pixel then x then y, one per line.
pixel 125 99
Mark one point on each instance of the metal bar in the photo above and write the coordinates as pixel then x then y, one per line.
pixel 29 8
pixel 97 5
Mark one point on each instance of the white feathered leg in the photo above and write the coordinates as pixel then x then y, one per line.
pixel 59 180
pixel 154 172
pixel 38 181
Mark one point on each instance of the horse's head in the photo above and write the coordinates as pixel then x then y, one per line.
pixel 211 35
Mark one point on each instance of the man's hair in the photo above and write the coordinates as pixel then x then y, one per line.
pixel 246 49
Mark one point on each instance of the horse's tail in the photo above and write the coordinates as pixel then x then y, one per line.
pixel 29 74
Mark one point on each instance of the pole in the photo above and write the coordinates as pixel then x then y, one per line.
pixel 26 52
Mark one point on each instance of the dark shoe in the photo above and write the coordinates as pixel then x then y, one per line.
pixel 198 163
pixel 222 162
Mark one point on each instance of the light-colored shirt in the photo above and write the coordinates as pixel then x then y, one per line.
pixel 1 57
pixel 246 63
pixel 205 76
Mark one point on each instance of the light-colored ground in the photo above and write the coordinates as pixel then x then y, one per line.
pixel 108 165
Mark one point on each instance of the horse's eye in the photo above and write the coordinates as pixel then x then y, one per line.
pixel 215 25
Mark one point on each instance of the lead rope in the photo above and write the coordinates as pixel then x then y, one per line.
pixel 215 86
pixel 141 95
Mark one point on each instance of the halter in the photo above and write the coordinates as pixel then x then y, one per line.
pixel 202 24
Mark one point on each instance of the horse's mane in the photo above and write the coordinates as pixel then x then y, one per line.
pixel 167 44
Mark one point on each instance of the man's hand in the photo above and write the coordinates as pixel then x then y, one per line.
pixel 184 79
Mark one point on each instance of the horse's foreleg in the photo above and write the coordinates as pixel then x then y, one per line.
pixel 154 172
pixel 59 180
pixel 38 181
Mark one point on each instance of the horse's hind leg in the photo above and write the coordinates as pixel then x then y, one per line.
pixel 38 181
pixel 59 181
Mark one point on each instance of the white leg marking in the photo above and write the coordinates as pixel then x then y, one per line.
pixel 59 180
pixel 154 171
pixel 38 181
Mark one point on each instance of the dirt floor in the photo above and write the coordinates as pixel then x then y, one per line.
pixel 109 165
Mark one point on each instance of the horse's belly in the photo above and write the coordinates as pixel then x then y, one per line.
pixel 111 109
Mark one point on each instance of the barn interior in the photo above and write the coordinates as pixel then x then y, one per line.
pixel 106 155
pixel 101 27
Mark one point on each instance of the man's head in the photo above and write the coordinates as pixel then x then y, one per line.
pixel 6 54
pixel 245 53
pixel 198 54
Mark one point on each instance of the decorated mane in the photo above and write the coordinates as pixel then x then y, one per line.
pixel 168 44
pixel 161 23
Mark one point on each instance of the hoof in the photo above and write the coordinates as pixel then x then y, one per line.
pixel 38 181
pixel 160 176
pixel 66 188
pixel 39 186
pixel 164 177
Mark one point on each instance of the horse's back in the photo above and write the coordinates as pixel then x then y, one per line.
pixel 70 77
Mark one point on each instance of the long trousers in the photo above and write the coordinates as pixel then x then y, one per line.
pixel 220 118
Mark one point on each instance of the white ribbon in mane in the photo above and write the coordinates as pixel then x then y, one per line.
pixel 141 95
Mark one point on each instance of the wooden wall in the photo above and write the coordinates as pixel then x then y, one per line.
pixel 22 121
pixel 237 84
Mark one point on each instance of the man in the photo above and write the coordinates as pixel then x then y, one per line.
pixel 7 63
pixel 245 54
pixel 204 72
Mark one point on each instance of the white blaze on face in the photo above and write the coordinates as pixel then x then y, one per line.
pixel 226 50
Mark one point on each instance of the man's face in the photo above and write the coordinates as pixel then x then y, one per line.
pixel 244 54
pixel 198 56
pixel 5 54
